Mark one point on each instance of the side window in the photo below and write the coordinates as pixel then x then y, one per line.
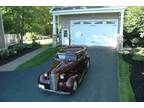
pixel 65 33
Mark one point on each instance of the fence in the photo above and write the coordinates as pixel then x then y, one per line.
pixel 11 39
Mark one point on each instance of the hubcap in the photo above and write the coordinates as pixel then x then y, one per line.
pixel 88 64
pixel 75 86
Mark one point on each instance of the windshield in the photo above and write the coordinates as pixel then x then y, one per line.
pixel 66 57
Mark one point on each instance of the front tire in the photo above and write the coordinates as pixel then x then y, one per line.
pixel 75 85
pixel 88 64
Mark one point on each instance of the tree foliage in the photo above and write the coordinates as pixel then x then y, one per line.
pixel 134 26
pixel 23 19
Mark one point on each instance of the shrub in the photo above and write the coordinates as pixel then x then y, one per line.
pixel 36 45
pixel 16 48
pixel 30 36
pixel 4 54
pixel 12 50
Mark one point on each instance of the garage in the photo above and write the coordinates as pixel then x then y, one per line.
pixel 88 25
pixel 94 33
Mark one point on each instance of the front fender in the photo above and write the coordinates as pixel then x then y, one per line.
pixel 70 81
pixel 43 79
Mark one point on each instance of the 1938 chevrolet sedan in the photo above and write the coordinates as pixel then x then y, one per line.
pixel 67 70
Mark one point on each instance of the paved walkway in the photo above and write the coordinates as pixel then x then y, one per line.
pixel 11 66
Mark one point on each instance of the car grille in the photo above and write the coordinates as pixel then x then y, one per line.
pixel 53 81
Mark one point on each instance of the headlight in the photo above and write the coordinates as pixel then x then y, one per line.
pixel 41 86
pixel 45 74
pixel 62 76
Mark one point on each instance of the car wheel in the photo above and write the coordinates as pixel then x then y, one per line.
pixel 88 64
pixel 74 86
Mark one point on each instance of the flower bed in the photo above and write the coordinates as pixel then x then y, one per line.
pixel 137 75
pixel 15 51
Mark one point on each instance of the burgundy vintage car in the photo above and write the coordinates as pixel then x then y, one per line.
pixel 66 72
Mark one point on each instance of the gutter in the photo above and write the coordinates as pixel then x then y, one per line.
pixel 84 11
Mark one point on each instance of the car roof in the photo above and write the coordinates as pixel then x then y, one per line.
pixel 73 49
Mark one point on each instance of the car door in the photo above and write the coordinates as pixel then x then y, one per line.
pixel 80 63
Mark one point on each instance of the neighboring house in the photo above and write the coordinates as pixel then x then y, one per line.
pixel 88 25
pixel 2 40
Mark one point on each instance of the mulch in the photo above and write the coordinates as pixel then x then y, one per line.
pixel 11 58
pixel 136 76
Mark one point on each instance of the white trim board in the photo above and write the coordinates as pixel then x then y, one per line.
pixel 86 11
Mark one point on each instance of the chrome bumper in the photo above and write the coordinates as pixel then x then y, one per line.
pixel 49 90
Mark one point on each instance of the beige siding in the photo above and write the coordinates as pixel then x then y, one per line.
pixel 65 20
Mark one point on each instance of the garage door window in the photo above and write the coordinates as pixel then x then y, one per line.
pixel 76 23
pixel 99 22
pixel 87 22
pixel 110 22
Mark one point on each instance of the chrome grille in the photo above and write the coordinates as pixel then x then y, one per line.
pixel 53 81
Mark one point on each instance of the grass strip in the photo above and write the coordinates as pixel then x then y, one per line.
pixel 38 59
pixel 125 88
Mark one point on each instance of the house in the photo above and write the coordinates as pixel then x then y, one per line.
pixel 88 25
pixel 2 40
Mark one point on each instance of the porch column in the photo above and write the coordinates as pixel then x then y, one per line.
pixel 54 33
pixel 121 22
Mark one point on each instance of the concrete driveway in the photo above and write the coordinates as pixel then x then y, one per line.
pixel 99 84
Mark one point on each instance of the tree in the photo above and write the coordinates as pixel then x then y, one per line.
pixel 134 25
pixel 23 19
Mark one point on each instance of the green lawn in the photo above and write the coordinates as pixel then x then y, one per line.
pixel 125 89
pixel 39 59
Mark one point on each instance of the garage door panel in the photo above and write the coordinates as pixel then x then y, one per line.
pixel 99 33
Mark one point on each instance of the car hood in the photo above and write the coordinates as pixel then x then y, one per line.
pixel 60 66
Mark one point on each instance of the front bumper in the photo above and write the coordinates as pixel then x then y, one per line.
pixel 49 90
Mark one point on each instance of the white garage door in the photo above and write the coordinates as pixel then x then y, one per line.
pixel 98 33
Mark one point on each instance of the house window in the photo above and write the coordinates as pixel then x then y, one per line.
pixel 86 22
pixel 65 33
pixel 99 22
pixel 110 22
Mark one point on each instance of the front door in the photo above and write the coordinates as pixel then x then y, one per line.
pixel 65 37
